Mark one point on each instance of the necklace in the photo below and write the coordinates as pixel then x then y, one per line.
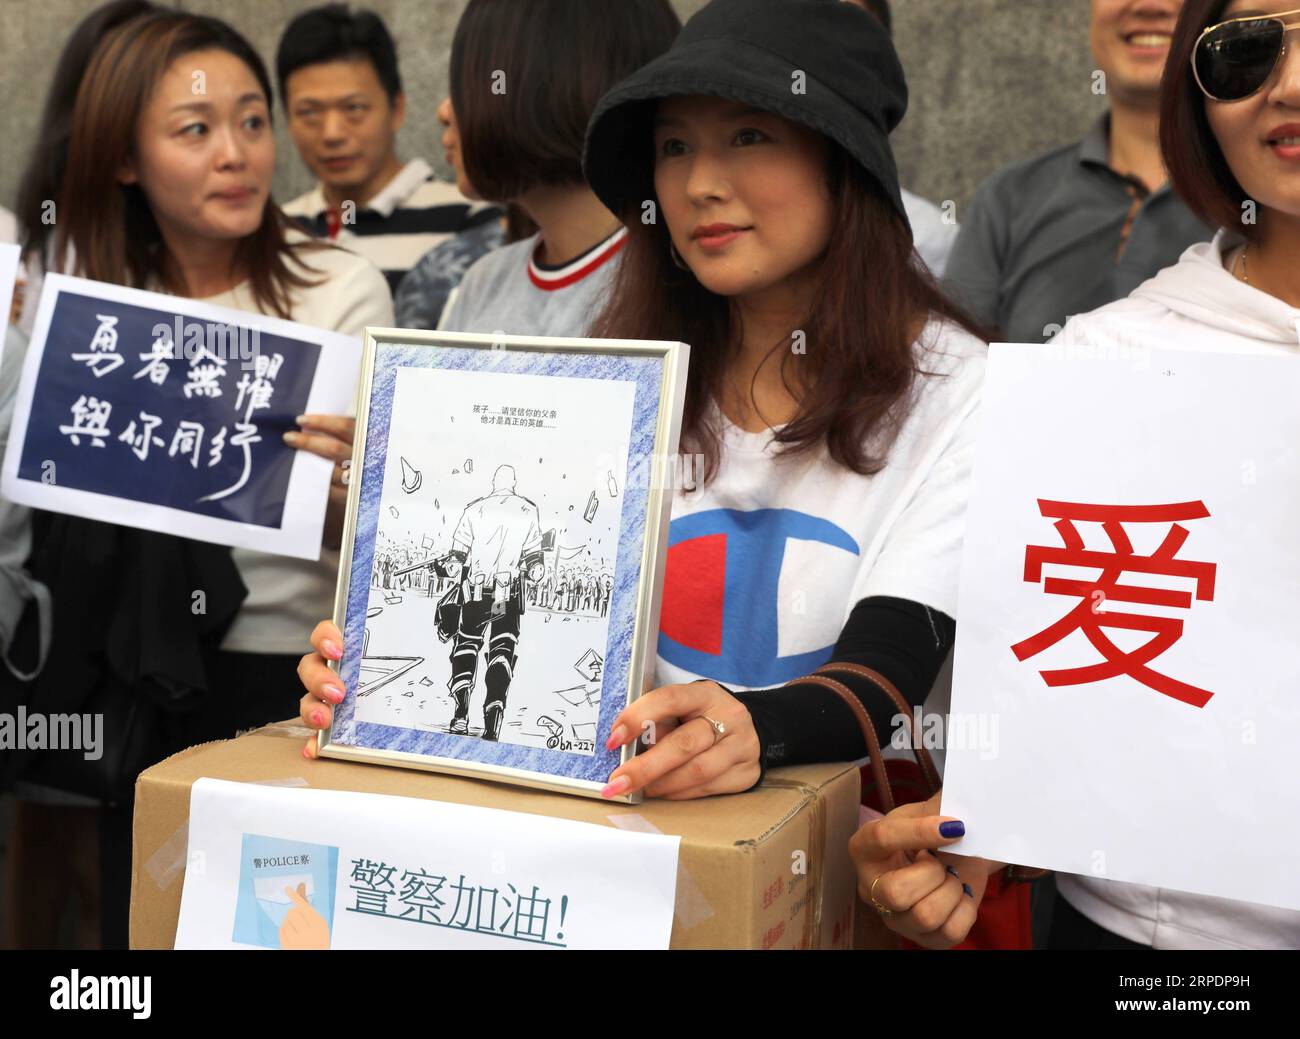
pixel 1245 274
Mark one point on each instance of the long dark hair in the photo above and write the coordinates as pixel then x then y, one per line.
pixel 856 374
pixel 558 57
pixel 43 175
pixel 110 225
pixel 1197 168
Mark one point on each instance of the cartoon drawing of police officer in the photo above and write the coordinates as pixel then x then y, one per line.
pixel 496 547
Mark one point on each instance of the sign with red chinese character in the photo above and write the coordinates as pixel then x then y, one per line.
pixel 167 414
pixel 1093 613
pixel 1130 584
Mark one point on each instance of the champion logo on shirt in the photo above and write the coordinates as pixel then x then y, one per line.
pixel 550 279
pixel 722 611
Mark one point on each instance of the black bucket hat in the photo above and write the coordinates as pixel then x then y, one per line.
pixel 752 51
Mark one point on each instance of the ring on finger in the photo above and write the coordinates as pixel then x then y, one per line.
pixel 879 907
pixel 719 729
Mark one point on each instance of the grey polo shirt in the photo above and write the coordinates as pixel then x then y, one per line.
pixel 1046 239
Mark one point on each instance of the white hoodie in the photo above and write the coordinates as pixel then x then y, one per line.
pixel 1196 304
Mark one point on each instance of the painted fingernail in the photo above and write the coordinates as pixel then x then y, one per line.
pixel 952 872
pixel 318 718
pixel 334 693
pixel 333 650
pixel 969 893
pixel 615 787
pixel 617 738
pixel 956 828
pixel 292 438
pixel 301 420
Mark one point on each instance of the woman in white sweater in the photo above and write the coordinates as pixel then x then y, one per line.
pixel 1230 131
pixel 171 139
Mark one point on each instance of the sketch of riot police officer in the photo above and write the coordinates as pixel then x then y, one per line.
pixel 496 547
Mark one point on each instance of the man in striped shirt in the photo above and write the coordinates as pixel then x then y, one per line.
pixel 343 95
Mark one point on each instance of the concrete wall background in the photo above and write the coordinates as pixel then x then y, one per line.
pixel 991 80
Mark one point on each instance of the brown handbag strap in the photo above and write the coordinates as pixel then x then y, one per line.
pixel 923 758
pixel 875 761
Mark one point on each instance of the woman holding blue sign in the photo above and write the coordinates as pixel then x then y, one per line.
pixel 831 397
pixel 171 138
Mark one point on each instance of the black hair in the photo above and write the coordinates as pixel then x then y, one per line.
pixel 880 8
pixel 43 176
pixel 334 33
pixel 560 56
pixel 1198 169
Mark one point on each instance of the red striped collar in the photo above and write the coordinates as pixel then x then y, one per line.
pixel 569 274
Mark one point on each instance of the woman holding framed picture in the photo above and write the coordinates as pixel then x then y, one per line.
pixel 830 404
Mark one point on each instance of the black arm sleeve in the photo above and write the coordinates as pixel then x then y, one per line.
pixel 804 723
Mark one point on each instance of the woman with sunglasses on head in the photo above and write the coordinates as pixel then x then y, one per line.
pixel 832 394
pixel 1230 133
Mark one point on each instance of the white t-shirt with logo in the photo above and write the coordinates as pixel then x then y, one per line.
pixel 766 563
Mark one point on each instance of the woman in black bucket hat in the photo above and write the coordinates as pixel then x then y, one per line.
pixel 831 398
pixel 831 382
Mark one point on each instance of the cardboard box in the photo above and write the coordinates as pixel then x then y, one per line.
pixel 764 870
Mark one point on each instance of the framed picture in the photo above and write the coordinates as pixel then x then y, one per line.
pixel 504 551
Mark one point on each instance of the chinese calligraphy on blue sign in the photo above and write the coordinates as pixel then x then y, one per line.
pixel 127 407
pixel 169 414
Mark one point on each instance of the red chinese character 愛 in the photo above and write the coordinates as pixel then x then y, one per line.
pixel 1092 615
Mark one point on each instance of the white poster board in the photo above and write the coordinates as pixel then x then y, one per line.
pixel 168 414
pixel 276 867
pixel 1139 667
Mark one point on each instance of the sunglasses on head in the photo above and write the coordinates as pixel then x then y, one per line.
pixel 1234 59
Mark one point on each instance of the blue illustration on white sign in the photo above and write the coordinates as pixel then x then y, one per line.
pixel 146 405
pixel 278 877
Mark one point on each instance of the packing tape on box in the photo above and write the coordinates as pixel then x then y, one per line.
pixel 812 927
pixel 288 729
pixel 170 857
pixel 691 907
pixel 286 781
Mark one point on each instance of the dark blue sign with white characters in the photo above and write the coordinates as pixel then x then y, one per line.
pixel 167 409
